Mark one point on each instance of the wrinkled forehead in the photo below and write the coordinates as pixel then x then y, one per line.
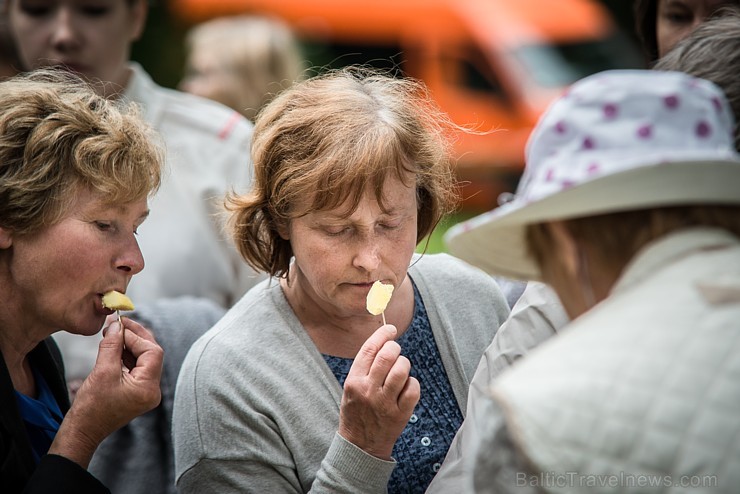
pixel 389 191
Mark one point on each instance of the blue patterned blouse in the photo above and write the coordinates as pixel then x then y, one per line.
pixel 41 415
pixel 426 438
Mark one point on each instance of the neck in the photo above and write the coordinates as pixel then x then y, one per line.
pixel 114 89
pixel 15 354
pixel 17 340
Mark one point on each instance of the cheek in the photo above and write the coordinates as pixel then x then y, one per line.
pixel 69 266
pixel 29 48
pixel 667 36
pixel 314 255
pixel 397 251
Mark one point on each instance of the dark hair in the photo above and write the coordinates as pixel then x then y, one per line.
pixel 646 18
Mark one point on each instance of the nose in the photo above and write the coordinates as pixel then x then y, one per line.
pixel 367 256
pixel 64 35
pixel 132 260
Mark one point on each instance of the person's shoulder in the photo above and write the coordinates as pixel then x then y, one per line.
pixel 184 117
pixel 247 319
pixel 449 267
pixel 451 281
pixel 454 278
pixel 207 117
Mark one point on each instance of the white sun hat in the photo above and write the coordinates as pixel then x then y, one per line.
pixel 616 141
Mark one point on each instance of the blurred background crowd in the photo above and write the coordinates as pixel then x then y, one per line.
pixel 493 66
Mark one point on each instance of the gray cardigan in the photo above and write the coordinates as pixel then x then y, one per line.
pixel 256 406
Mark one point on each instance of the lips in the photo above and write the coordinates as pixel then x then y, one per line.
pixel 99 305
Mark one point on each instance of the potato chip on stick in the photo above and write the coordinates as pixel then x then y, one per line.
pixel 378 298
pixel 117 301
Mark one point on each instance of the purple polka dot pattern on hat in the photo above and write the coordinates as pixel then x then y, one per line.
pixel 549 175
pixel 593 168
pixel 645 131
pixel 560 127
pixel 671 101
pixel 703 129
pixel 610 110
pixel 717 104
pixel 588 143
pixel 567 184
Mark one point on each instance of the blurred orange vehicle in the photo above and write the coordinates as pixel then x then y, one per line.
pixel 490 64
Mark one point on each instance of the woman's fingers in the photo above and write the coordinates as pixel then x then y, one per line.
pixel 396 376
pixel 385 359
pixel 409 396
pixel 379 397
pixel 370 349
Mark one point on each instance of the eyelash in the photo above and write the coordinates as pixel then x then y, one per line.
pixel 95 11
pixel 345 230
pixel 42 10
pixel 106 227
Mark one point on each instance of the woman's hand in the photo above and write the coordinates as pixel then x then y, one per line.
pixel 113 393
pixel 379 395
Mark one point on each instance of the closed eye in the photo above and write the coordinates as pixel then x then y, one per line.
pixel 335 232
pixel 389 226
pixel 35 10
pixel 95 11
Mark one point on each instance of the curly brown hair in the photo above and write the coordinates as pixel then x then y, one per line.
pixel 58 137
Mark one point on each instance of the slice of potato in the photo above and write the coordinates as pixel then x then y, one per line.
pixel 117 301
pixel 378 297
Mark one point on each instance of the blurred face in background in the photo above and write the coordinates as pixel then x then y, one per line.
pixel 90 37
pixel 677 18
pixel 208 77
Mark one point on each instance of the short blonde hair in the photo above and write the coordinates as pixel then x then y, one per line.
pixel 258 56
pixel 329 138
pixel 58 137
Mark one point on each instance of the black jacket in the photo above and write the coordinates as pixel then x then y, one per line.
pixel 18 470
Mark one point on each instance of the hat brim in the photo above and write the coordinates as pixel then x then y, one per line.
pixel 497 243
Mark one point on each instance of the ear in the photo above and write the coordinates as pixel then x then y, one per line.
pixel 283 230
pixel 138 13
pixel 6 238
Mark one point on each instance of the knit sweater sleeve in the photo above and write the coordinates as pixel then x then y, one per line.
pixel 348 469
